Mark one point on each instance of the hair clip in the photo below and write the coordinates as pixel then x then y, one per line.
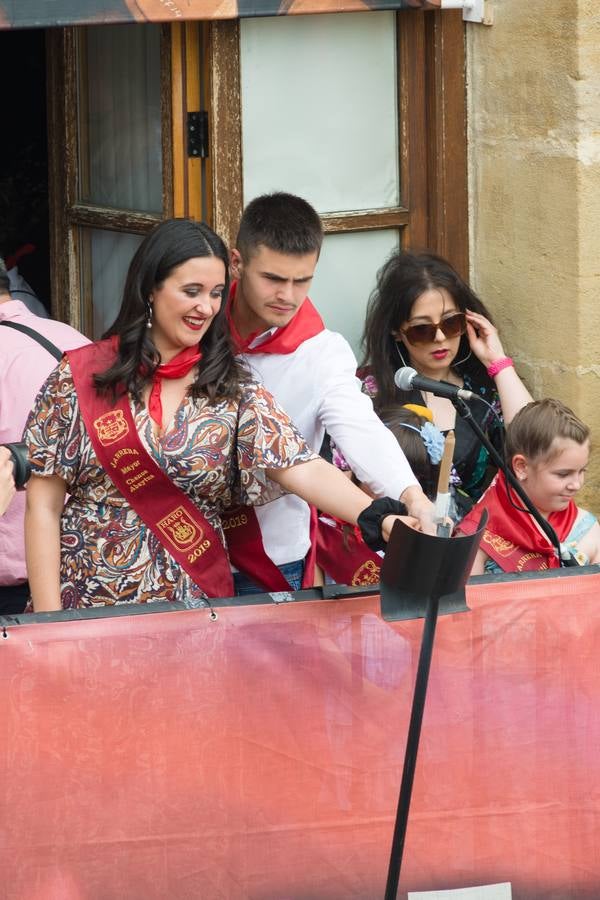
pixel 434 442
pixel 422 411
pixel 433 439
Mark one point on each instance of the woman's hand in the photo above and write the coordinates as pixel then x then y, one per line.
pixel 485 344
pixel 484 339
pixel 388 523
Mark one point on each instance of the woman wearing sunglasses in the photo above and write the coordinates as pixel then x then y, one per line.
pixel 422 314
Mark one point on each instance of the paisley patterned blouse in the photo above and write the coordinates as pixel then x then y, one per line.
pixel 216 452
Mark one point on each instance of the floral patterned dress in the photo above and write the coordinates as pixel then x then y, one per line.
pixel 215 452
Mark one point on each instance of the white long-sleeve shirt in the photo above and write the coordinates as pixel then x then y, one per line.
pixel 317 386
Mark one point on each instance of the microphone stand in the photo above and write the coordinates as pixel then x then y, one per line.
pixel 465 413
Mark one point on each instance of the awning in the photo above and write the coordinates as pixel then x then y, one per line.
pixel 44 13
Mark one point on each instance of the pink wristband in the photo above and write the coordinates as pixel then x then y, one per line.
pixel 498 365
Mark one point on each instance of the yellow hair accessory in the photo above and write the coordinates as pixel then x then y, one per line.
pixel 422 411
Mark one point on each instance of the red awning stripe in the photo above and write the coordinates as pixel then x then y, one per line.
pixel 46 13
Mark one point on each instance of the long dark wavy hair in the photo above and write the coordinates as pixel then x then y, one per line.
pixel 166 247
pixel 400 282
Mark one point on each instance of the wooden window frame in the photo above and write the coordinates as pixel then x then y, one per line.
pixel 432 142
pixel 200 69
pixel 182 178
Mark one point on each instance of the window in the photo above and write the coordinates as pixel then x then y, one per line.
pixel 119 101
pixel 369 126
pixel 361 113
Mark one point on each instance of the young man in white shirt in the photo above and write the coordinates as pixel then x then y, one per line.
pixel 311 373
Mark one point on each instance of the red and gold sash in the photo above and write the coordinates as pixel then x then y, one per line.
pixel 244 538
pixel 511 537
pixel 247 551
pixel 167 511
pixel 344 556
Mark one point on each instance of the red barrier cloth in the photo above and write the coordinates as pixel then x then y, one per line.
pixel 165 755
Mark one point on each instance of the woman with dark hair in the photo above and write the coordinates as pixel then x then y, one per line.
pixel 153 432
pixel 423 315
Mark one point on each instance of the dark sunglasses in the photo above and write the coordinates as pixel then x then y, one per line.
pixel 451 326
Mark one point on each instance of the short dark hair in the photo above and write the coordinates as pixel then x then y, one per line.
pixel 400 282
pixel 4 279
pixel 282 222
pixel 534 428
pixel 167 246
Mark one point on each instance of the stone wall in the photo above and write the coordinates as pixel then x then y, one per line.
pixel 534 180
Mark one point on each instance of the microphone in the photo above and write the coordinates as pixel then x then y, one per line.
pixel 409 379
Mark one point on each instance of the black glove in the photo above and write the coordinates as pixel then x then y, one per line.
pixel 371 518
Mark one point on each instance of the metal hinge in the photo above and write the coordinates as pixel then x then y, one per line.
pixel 197 134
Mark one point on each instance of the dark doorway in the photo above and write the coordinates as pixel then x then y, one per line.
pixel 24 220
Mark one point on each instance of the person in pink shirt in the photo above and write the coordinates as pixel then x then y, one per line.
pixel 24 366
pixel 7 481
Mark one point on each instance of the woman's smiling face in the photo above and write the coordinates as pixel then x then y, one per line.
pixel 434 358
pixel 185 304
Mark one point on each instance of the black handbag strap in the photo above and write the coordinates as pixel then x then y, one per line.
pixel 46 344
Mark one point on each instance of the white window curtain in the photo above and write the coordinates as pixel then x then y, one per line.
pixel 111 252
pixel 120 120
pixel 320 119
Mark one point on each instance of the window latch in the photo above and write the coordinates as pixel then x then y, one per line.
pixel 197 135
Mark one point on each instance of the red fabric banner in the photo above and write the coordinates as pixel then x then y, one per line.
pixel 259 755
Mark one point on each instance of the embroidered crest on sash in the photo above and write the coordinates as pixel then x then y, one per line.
pixel 180 529
pixel 111 427
pixel 499 544
pixel 367 573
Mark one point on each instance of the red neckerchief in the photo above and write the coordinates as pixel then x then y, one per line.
pixel 306 324
pixel 179 366
pixel 510 532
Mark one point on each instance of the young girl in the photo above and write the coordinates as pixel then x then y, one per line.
pixel 548 449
